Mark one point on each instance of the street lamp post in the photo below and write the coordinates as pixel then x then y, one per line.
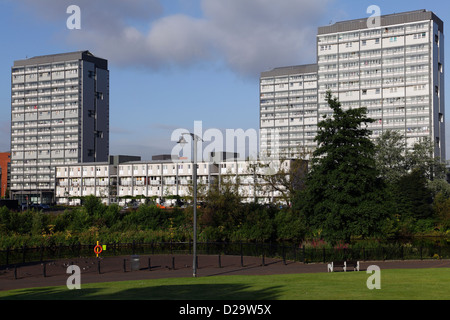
pixel 182 141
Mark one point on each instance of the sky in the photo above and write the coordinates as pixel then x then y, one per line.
pixel 175 62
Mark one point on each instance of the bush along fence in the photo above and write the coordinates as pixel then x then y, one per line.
pixel 286 252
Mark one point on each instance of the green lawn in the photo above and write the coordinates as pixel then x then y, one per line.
pixel 423 284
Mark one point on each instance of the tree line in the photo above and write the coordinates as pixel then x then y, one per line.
pixel 354 188
pixel 358 188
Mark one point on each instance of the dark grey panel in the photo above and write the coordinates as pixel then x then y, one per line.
pixel 88 112
pixel 102 117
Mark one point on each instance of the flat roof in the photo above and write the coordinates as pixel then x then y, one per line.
pixel 60 57
pixel 385 20
pixel 284 71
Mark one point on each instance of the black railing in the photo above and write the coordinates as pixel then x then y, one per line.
pixel 286 252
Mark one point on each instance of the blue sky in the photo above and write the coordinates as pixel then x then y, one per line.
pixel 175 62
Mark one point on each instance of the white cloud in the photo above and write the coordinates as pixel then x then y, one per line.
pixel 179 39
pixel 256 35
pixel 100 14
pixel 248 36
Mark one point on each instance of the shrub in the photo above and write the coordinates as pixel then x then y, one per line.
pixel 290 226
pixel 258 223
pixel 40 223
pixel 146 217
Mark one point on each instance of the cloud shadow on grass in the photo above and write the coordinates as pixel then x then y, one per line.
pixel 161 292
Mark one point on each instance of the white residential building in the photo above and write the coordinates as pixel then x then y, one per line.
pixel 59 115
pixel 120 181
pixel 288 108
pixel 396 70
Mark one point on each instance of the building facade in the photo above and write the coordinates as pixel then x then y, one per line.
pixel 395 70
pixel 164 180
pixel 59 115
pixel 288 108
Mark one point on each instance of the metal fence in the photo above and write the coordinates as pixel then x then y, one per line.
pixel 283 251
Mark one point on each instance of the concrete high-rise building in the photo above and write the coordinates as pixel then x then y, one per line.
pixel 288 108
pixel 396 70
pixel 59 115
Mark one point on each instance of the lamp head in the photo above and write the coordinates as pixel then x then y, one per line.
pixel 182 141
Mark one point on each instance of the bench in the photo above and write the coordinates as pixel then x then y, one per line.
pixel 353 264
pixel 344 265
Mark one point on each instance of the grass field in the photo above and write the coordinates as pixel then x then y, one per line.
pixel 402 284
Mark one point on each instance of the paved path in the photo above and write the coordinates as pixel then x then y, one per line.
pixel 112 269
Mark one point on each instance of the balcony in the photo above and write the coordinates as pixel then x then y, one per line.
pixel 17 125
pixel 58 67
pixel 69 130
pixel 71 98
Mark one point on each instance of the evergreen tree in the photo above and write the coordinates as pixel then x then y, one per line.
pixel 344 194
pixel 414 196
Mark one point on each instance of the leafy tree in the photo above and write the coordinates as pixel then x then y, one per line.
pixel 391 155
pixel 395 160
pixel 414 176
pixel 257 222
pixel 286 177
pixel 17 222
pixel 111 215
pixel 344 194
pixel 146 217
pixel 4 219
pixel 80 220
pixel 93 206
pixel 40 223
pixel 437 186
pixel 441 207
pixel 62 221
pixel 222 208
pixel 422 158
